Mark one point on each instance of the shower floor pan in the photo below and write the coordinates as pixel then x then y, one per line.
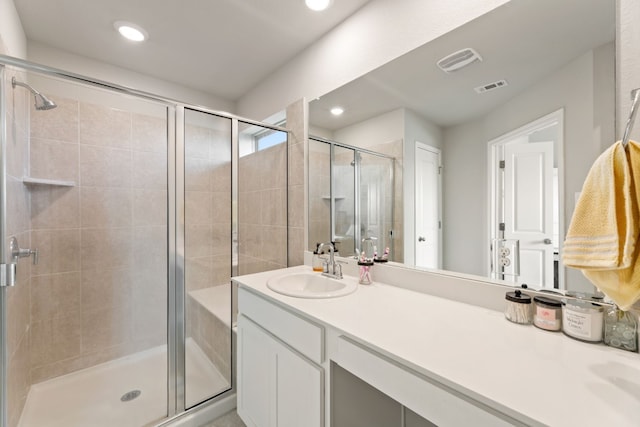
pixel 107 394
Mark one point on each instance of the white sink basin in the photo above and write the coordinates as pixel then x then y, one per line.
pixel 312 285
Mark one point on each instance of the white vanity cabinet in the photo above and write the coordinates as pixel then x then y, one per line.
pixel 280 381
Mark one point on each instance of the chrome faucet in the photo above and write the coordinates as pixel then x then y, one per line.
pixel 332 268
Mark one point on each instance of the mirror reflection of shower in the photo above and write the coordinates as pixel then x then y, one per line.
pixel 41 102
pixel 351 198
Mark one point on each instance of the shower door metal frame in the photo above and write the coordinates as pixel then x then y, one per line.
pixel 175 227
pixel 4 355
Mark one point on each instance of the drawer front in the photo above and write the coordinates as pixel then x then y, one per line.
pixel 304 336
pixel 428 399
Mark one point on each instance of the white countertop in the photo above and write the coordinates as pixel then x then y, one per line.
pixel 531 374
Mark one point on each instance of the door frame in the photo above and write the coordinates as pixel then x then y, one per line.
pixel 422 146
pixel 494 150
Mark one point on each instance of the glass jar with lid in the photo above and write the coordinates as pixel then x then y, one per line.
pixel 583 317
pixel 621 329
pixel 547 313
pixel 518 307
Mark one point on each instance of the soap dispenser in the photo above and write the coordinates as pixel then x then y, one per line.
pixel 317 261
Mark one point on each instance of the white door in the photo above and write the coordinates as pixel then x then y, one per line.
pixel 427 199
pixel 528 208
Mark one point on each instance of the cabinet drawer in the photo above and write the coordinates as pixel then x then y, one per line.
pixel 429 399
pixel 303 335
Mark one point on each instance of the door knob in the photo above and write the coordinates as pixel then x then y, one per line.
pixel 547 241
pixel 421 239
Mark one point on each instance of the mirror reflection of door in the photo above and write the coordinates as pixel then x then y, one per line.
pixel 428 241
pixel 525 185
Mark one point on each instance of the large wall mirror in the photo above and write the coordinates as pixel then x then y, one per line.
pixel 489 153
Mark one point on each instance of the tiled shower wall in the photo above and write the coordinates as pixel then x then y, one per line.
pixel 99 289
pixel 208 234
pixel 262 210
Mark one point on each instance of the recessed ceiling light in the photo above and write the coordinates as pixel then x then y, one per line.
pixel 131 31
pixel 317 5
pixel 336 111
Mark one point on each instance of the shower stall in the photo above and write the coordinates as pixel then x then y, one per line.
pixel 123 216
pixel 352 198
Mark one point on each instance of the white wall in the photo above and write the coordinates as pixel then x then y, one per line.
pixel 11 32
pixel 386 127
pixel 379 32
pixel 572 88
pixel 82 65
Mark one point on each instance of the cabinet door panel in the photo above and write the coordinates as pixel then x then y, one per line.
pixel 300 390
pixel 256 376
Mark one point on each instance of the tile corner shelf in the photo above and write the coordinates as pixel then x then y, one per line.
pixel 27 180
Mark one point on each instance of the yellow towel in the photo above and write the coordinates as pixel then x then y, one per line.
pixel 602 237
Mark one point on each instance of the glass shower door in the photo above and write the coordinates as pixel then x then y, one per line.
pixel 207 255
pixel 376 200
pixel 86 321
pixel 343 194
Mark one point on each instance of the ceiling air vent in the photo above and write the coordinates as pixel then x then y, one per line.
pixel 458 59
pixel 491 86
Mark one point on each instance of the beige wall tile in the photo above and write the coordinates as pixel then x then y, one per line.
pixel 296 164
pixel 54 295
pixel 273 207
pixel 250 240
pixel 221 178
pixel 106 288
pixel 197 141
pixel 296 206
pixel 221 207
pixel 221 269
pixel 60 124
pixel 150 170
pixel 150 248
pixel 296 246
pixel 104 167
pixel 52 159
pixel 55 207
pixel 198 208
pixel 17 315
pixel 150 305
pixel 58 250
pixel 249 205
pixel 101 125
pixel 55 339
pixel 198 174
pixel 221 238
pixel 106 327
pixel 17 206
pixel 108 248
pixel 106 207
pixel 149 207
pixel 198 273
pixel 149 133
pixel 18 381
pixel 274 244
pixel 199 241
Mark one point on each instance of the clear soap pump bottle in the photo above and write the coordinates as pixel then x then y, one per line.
pixel 316 262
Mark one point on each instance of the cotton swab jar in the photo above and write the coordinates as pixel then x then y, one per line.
pixel 518 308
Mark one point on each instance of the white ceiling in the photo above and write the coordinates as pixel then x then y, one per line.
pixel 521 42
pixel 222 47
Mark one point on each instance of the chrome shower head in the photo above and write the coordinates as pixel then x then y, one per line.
pixel 41 101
